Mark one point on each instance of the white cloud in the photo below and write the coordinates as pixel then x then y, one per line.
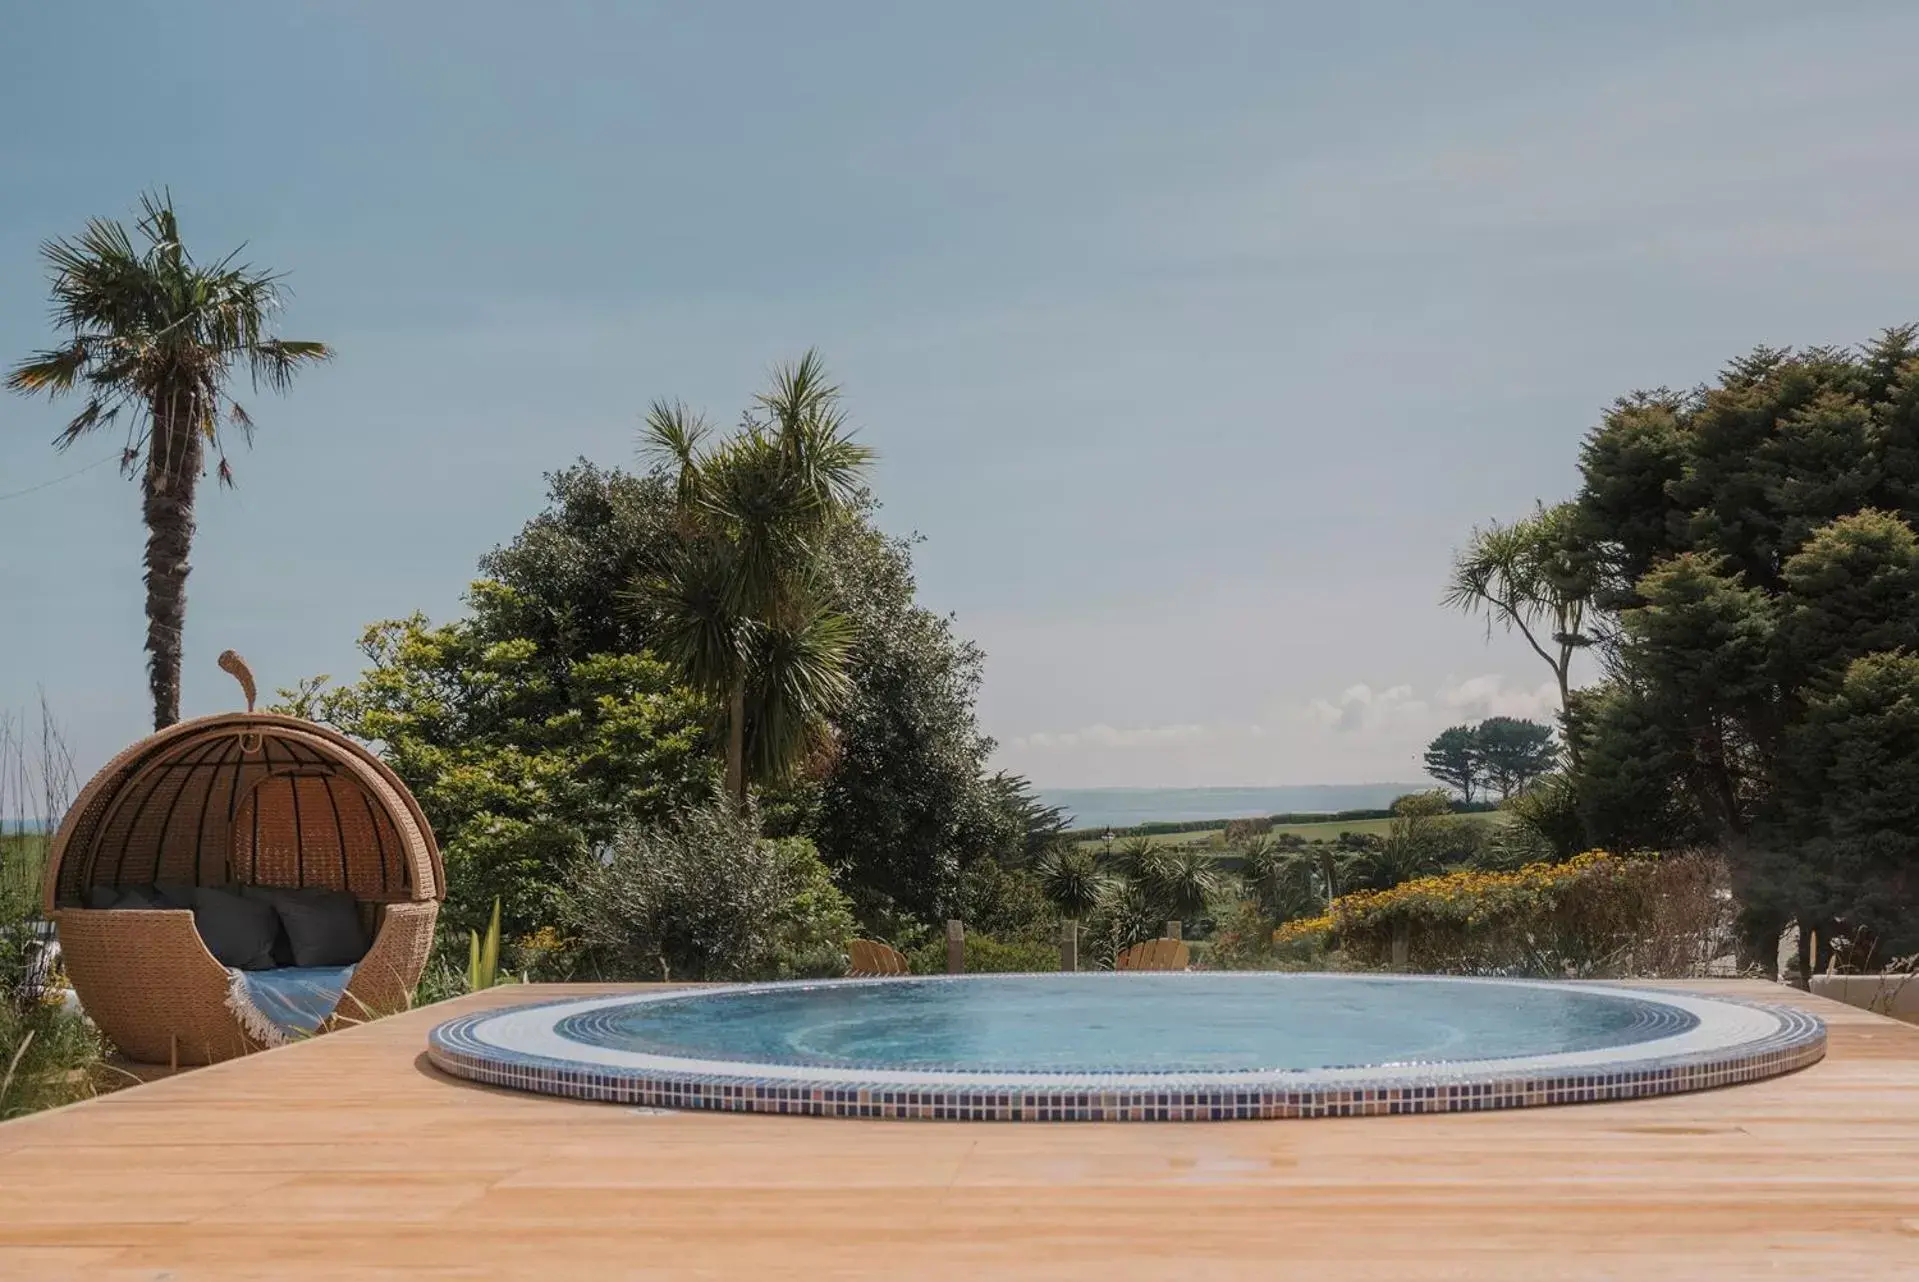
pixel 1366 733
pixel 1104 736
pixel 1363 710
pixel 1476 698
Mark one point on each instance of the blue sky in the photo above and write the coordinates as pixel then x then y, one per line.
pixel 1192 337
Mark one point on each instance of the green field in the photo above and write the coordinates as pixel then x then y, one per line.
pixel 1328 831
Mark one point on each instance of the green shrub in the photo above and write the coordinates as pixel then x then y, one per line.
pixel 1597 914
pixel 1242 939
pixel 986 956
pixel 705 897
pixel 48 1057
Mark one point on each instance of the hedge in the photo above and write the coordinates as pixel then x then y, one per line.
pixel 1596 914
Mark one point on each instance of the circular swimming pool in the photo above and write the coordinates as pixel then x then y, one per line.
pixel 1140 1047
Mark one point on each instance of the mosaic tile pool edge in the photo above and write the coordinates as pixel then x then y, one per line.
pixel 1800 1041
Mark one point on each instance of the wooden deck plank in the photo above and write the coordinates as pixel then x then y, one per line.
pixel 346 1157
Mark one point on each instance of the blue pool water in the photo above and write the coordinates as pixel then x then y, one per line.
pixel 1128 1023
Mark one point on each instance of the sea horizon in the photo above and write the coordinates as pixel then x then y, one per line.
pixel 1129 807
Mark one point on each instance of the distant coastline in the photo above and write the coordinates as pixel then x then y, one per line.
pixel 1126 807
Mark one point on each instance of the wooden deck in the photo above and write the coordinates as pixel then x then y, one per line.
pixel 347 1158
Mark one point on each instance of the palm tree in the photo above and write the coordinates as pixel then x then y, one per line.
pixel 1533 577
pixel 1070 879
pixel 1280 881
pixel 737 600
pixel 154 339
pixel 1186 884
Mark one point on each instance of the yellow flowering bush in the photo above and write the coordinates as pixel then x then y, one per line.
pixel 1303 930
pixel 1597 913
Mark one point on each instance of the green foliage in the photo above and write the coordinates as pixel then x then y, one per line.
pixel 908 803
pixel 1594 915
pixel 153 341
pixel 483 955
pixel 522 760
pixel 1070 879
pixel 1281 882
pixel 736 596
pixel 1546 824
pixel 985 955
pixel 1453 759
pixel 705 897
pixel 1753 542
pixel 899 801
pixel 1124 916
pixel 1243 940
pixel 1006 903
pixel 1035 826
pixel 1851 802
pixel 1239 831
pixel 1537 577
pixel 48 1057
pixel 1511 753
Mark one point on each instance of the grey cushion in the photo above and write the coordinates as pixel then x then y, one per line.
pixel 238 931
pixel 121 897
pixel 322 926
pixel 174 895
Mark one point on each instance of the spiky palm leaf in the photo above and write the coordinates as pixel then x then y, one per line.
pixel 797 684
pixel 1070 879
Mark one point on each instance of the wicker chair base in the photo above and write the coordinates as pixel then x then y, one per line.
pixel 146 978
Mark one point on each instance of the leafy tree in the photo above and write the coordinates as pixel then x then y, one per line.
pixel 156 337
pixel 907 803
pixel 1850 591
pixel 738 599
pixel 1453 759
pixel 521 762
pixel 1753 540
pixel 705 897
pixel 1512 753
pixel 1036 826
pixel 1534 577
pixel 1850 812
pixel 1240 831
pixel 900 800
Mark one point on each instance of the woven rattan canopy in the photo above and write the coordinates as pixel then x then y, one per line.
pixel 247 797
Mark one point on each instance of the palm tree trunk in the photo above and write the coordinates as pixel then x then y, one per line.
pixel 736 744
pixel 166 501
pixel 1563 670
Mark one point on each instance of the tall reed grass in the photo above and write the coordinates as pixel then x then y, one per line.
pixel 49 1055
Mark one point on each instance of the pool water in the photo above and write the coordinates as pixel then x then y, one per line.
pixel 1140 1023
pixel 1186 1046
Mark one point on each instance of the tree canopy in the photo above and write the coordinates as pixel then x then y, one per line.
pixel 544 723
pixel 1752 558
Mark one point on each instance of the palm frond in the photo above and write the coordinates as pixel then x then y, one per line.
pixel 799 683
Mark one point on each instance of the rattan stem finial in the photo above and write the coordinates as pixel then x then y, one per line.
pixel 230 661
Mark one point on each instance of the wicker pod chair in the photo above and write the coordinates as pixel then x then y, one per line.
pixel 231 800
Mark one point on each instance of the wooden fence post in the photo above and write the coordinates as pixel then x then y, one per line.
pixel 1172 930
pixel 1069 944
pixel 955 946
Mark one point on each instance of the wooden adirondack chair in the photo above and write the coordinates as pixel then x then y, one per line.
pixel 870 957
pixel 1155 954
